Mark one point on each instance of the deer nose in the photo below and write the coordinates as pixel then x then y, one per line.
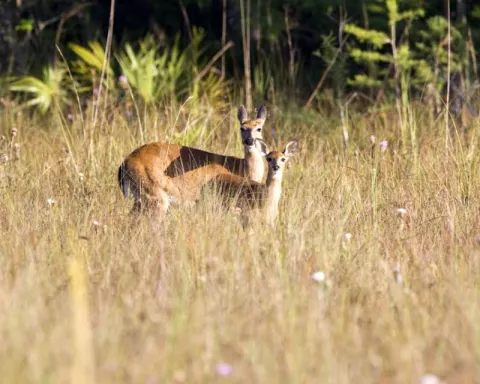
pixel 249 141
pixel 276 167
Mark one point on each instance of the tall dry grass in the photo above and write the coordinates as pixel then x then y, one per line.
pixel 87 293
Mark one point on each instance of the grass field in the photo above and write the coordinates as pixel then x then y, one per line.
pixel 89 295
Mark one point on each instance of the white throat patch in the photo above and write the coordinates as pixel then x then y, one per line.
pixel 277 175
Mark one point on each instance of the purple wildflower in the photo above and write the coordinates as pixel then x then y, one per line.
pixel 223 369
pixel 383 145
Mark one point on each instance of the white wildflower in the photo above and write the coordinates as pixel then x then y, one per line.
pixel 401 212
pixel 429 379
pixel 319 276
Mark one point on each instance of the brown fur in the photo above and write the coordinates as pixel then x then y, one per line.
pixel 159 174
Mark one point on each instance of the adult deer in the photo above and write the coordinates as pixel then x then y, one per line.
pixel 159 173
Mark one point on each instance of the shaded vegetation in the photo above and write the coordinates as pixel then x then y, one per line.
pixel 295 49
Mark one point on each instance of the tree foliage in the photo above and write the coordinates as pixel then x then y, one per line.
pixel 162 46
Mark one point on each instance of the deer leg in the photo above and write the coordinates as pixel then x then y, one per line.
pixel 157 203
pixel 137 208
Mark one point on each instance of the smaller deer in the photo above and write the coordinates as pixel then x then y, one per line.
pixel 251 194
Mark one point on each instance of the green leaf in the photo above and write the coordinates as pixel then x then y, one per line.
pixel 364 81
pixel 424 71
pixel 90 64
pixel 44 90
pixel 392 8
pixel 404 57
pixel 151 73
pixel 377 38
pixel 476 12
pixel 411 14
pixel 375 8
pixel 25 25
pixel 94 57
pixel 369 56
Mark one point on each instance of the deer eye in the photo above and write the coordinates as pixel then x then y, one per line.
pixel 259 129
pixel 283 159
pixel 269 159
pixel 242 129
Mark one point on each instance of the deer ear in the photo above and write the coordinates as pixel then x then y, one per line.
pixel 242 114
pixel 262 146
pixel 291 148
pixel 262 113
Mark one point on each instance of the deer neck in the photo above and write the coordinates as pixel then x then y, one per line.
pixel 254 164
pixel 273 194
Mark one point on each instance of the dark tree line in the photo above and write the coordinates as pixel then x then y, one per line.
pixel 299 34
